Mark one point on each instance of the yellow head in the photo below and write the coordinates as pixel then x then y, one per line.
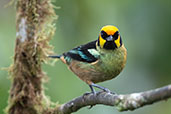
pixel 109 38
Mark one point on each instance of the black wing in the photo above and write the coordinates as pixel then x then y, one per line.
pixel 81 53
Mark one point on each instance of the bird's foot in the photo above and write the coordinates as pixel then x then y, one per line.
pixel 100 87
pixel 106 90
pixel 88 93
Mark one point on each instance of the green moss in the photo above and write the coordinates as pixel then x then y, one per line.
pixel 35 28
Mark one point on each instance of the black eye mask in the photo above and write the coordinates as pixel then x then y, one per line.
pixel 104 35
pixel 115 36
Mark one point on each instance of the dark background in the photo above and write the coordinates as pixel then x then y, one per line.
pixel 145 29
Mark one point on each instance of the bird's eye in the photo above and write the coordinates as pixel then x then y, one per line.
pixel 104 34
pixel 115 36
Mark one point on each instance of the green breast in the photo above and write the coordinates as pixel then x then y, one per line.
pixel 111 62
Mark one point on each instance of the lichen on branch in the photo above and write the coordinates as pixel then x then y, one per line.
pixel 121 102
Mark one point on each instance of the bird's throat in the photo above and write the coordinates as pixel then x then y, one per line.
pixel 110 45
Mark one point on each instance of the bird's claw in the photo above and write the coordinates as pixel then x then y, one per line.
pixel 106 90
pixel 87 93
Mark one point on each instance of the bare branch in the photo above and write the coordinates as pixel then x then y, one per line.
pixel 121 102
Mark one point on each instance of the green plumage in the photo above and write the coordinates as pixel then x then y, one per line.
pixel 109 64
pixel 99 60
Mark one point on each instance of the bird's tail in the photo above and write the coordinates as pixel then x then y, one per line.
pixel 55 56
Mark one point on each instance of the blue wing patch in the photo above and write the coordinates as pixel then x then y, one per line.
pixel 83 53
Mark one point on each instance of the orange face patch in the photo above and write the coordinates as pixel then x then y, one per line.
pixel 109 29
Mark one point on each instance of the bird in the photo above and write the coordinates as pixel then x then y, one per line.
pixel 99 60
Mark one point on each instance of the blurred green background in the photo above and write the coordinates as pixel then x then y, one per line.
pixel 145 29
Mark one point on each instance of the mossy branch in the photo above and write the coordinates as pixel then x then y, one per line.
pixel 34 26
pixel 34 29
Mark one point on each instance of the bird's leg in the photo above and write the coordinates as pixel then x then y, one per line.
pixel 100 87
pixel 94 93
pixel 92 89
